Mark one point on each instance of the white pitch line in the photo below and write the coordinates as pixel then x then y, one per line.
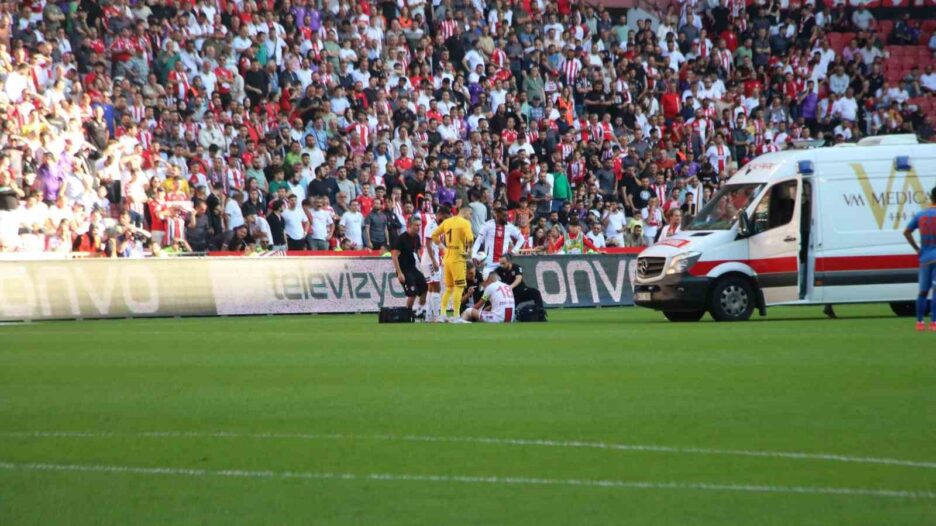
pixel 796 455
pixel 468 479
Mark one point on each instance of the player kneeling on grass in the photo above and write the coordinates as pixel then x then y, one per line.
pixel 403 255
pixel 500 299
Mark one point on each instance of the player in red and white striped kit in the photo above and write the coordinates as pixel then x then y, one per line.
pixel 430 260
pixel 498 237
pixel 499 296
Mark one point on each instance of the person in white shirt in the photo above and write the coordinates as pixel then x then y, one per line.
pixel 928 79
pixel 521 144
pixel 501 299
pixel 210 134
pixel 323 225
pixel 652 218
pixel 846 107
pixel 596 236
pixel 719 154
pixel 353 223
pixel 862 18
pixel 843 129
pixel 430 260
pixel 233 216
pixel 473 59
pixel 615 223
pixel 258 227
pixel 674 57
pixel 296 222
pixel 497 237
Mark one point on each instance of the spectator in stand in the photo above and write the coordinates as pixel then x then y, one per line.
pixel 673 224
pixel 353 223
pixel 376 227
pixel 469 103
pixel 296 223
pixel 277 225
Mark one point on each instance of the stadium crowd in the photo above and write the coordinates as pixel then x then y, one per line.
pixel 165 126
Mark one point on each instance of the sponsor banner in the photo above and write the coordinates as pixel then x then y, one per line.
pixel 104 288
pixel 581 281
pixel 303 285
pixel 120 288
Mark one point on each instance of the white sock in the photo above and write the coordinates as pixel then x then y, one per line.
pixel 432 301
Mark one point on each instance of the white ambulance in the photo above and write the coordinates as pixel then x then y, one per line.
pixel 798 227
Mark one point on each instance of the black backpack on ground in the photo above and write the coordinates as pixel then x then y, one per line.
pixel 395 315
pixel 530 311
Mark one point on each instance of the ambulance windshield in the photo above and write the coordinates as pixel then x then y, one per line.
pixel 721 211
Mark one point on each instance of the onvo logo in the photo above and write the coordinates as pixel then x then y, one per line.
pixel 32 290
pixel 584 281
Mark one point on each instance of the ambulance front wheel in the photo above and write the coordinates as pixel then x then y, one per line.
pixel 732 299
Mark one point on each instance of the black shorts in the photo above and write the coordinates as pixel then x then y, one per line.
pixel 415 284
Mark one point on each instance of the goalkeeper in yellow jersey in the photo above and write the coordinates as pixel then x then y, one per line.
pixel 455 234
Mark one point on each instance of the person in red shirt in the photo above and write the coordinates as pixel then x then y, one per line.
pixel 158 212
pixel 366 201
pixel 509 134
pixel 404 162
pixel 670 103
pixel 516 178
pixel 730 37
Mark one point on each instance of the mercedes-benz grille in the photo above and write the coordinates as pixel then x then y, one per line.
pixel 650 267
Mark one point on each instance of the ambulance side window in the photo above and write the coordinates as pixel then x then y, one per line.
pixel 776 208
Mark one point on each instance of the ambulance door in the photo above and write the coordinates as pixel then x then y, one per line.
pixel 774 242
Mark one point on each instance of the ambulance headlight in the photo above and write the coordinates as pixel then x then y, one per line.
pixel 681 263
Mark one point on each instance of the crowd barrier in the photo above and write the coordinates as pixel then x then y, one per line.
pixel 223 286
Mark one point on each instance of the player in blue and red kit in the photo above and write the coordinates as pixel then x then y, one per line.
pixel 925 221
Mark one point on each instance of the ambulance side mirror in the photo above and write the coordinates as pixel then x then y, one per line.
pixel 744 224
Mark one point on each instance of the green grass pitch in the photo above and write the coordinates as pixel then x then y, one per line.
pixel 608 416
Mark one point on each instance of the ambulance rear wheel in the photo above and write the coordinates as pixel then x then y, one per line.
pixel 903 309
pixel 684 316
pixel 732 299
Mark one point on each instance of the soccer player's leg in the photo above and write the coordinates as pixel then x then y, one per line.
pixel 491 317
pixel 927 284
pixel 432 294
pixel 449 280
pixel 471 314
pixel 420 288
pixel 458 285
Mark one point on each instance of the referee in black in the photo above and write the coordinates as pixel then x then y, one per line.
pixel 403 254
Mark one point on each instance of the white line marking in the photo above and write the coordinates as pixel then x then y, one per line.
pixel 467 479
pixel 796 455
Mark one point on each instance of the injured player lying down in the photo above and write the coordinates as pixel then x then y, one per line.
pixel 496 304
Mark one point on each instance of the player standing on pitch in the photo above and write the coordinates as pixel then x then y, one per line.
pixel 455 235
pixel 925 221
pixel 498 237
pixel 431 260
pixel 404 261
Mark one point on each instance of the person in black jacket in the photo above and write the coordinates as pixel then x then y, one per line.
pixel 277 226
pixel 511 274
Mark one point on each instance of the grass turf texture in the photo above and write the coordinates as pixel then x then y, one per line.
pixel 861 386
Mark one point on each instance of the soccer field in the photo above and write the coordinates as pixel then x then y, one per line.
pixel 597 417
